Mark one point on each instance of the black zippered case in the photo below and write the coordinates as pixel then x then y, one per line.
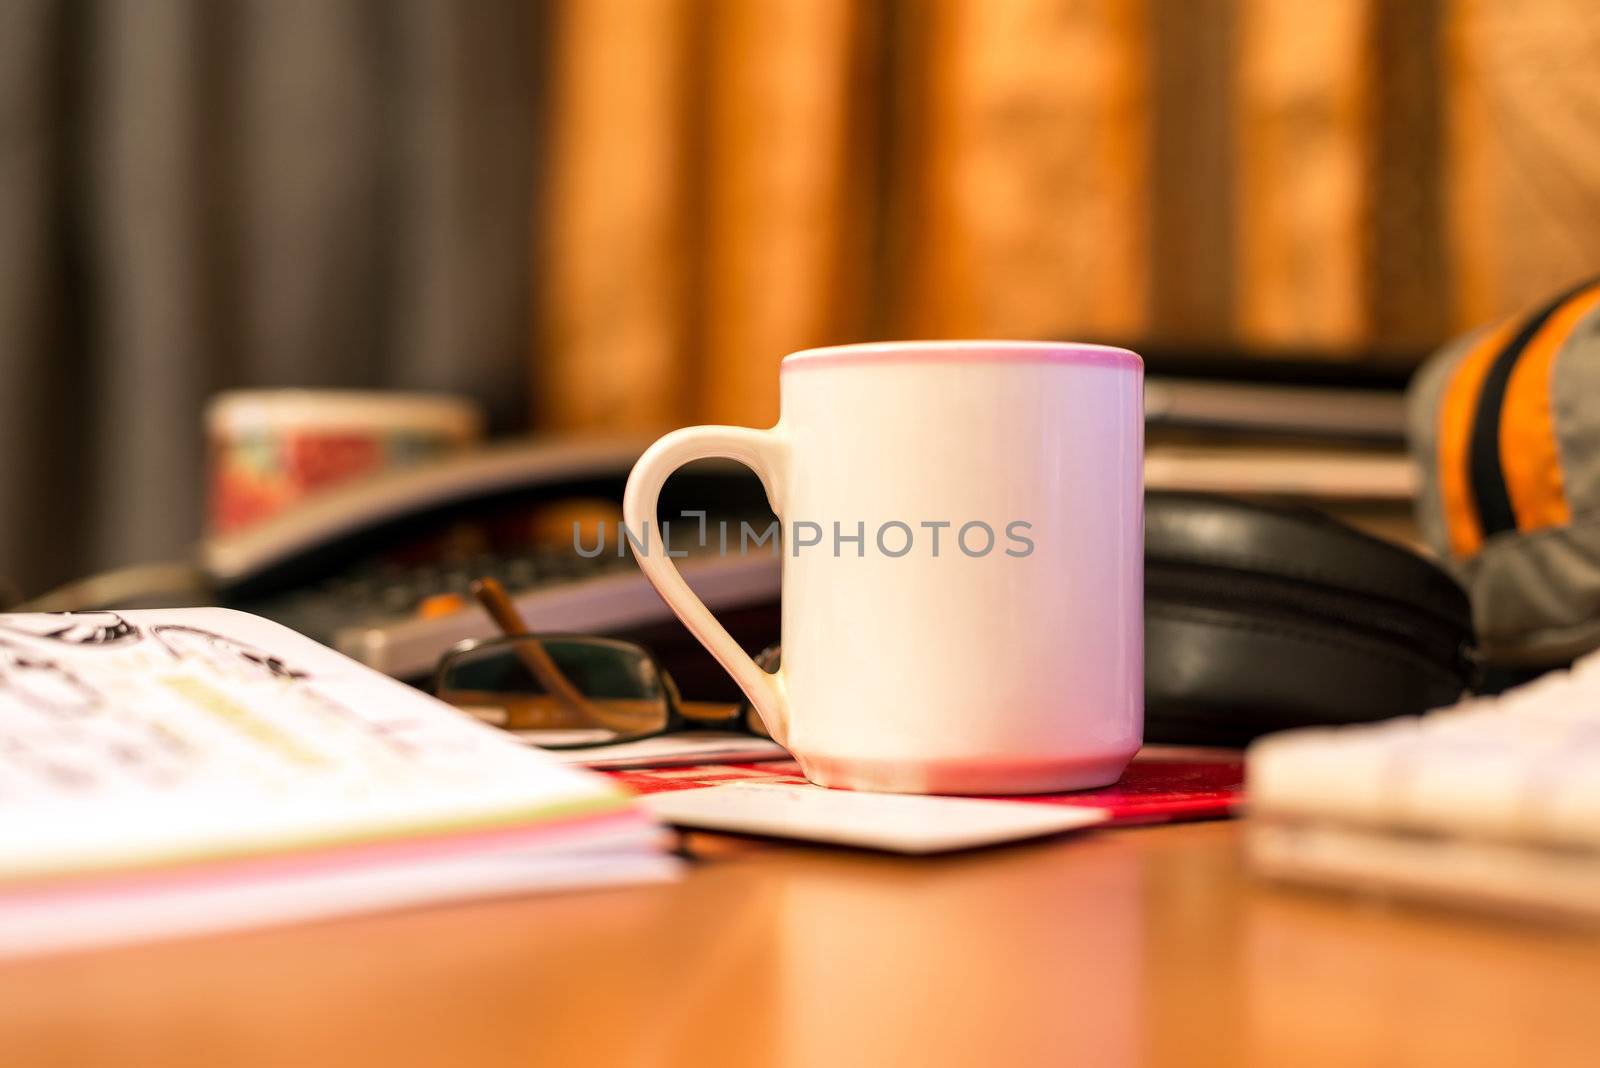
pixel 1261 618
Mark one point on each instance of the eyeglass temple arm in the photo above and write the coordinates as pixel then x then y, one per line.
pixel 531 652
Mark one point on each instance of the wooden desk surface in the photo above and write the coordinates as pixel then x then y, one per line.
pixel 1124 947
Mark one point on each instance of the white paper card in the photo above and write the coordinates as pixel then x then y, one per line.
pixel 680 747
pixel 896 823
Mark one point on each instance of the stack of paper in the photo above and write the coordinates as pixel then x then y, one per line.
pixel 1164 784
pixel 1493 802
pixel 171 772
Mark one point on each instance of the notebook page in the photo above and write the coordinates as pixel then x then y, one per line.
pixel 152 737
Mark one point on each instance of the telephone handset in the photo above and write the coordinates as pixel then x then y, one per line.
pixel 378 568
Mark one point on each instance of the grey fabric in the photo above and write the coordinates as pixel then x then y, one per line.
pixel 1536 596
pixel 1575 409
pixel 199 194
pixel 1422 421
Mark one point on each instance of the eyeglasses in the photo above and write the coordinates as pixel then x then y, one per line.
pixel 573 691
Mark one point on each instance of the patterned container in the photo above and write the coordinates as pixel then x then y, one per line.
pixel 273 448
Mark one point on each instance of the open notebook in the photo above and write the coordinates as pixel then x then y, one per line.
pixel 167 772
pixel 1493 802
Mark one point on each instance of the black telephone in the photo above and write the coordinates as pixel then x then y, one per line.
pixel 378 569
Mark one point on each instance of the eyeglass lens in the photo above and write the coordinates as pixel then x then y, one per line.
pixel 559 692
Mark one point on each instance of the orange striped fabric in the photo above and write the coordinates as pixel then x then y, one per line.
pixel 1529 458
pixel 1457 408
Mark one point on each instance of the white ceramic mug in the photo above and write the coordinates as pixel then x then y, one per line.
pixel 985 633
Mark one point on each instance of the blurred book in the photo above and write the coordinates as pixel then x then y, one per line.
pixel 1243 407
pixel 1025 172
pixel 182 771
pixel 788 181
pixel 1320 475
pixel 1523 192
pixel 1291 439
pixel 615 234
pixel 1303 158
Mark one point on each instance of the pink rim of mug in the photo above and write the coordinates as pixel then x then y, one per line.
pixel 902 352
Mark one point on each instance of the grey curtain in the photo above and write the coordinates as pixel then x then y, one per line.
pixel 203 194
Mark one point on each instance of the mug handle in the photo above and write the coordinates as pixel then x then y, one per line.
pixel 764 452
